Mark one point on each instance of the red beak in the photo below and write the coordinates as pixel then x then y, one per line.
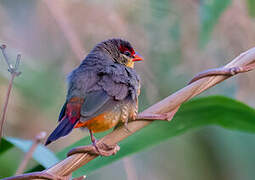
pixel 137 57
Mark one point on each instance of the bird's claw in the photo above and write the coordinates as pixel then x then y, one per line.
pixel 107 150
pixel 126 128
pixel 100 149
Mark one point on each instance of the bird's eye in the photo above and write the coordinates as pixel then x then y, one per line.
pixel 127 53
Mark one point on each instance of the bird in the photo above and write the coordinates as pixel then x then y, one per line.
pixel 102 91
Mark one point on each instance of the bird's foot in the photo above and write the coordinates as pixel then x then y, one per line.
pixel 100 149
pixel 107 150
pixel 126 127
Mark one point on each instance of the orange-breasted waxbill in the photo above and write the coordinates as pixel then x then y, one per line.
pixel 103 90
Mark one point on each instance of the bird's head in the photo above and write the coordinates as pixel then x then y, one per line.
pixel 121 52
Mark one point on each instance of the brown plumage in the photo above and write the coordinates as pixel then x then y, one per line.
pixel 103 90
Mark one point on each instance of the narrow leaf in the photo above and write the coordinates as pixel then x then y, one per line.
pixel 42 154
pixel 5 146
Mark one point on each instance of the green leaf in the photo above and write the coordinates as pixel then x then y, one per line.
pixel 42 154
pixel 5 146
pixel 214 110
pixel 209 13
pixel 251 7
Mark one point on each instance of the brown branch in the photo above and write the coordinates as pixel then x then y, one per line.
pixel 38 139
pixel 14 72
pixel 168 105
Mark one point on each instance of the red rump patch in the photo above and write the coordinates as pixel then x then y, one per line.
pixel 124 48
pixel 73 112
pixel 73 109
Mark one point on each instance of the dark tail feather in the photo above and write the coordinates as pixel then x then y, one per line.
pixel 64 128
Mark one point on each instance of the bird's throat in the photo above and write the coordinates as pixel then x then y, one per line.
pixel 130 64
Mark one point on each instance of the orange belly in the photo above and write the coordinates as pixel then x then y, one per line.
pixel 101 122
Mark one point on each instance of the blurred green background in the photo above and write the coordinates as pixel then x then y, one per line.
pixel 177 39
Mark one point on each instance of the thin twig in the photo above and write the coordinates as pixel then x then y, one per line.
pixel 14 70
pixel 221 71
pixel 3 116
pixel 38 139
pixel 168 105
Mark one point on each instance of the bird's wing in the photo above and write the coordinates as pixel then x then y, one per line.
pixel 117 89
pixel 110 94
pixel 109 85
pixel 96 103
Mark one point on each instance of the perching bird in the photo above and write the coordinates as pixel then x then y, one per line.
pixel 103 90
